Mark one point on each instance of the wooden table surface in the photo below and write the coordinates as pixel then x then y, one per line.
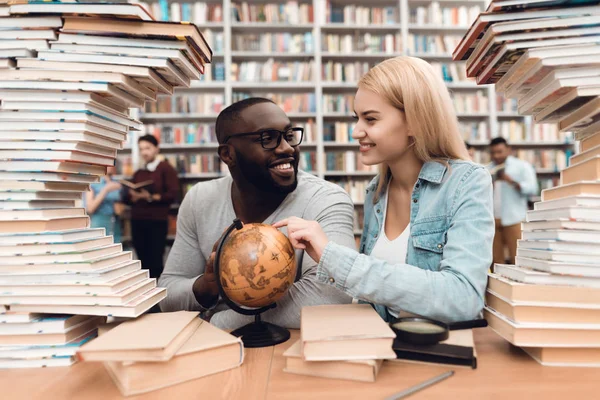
pixel 503 372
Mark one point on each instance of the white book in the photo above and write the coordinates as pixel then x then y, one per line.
pixel 569 213
pixel 73 167
pixel 560 268
pixel 36 45
pixel 23 249
pixel 48 177
pixel 57 266
pixel 57 146
pixel 560 256
pixel 8 215
pixel 89 289
pixel 58 237
pixel 116 95
pixel 564 235
pixel 122 10
pixel 28 34
pixel 177 57
pixel 132 309
pixel 61 97
pixel 571 201
pixel 98 110
pixel 29 352
pixel 76 256
pixel 107 299
pixel 16 53
pixel 68 116
pixel 34 195
pixel 82 137
pixel 59 278
pixel 539 278
pixel 51 155
pixel 43 323
pixel 36 204
pixel 12 317
pixel 38 186
pixel 555 245
pixel 31 22
pixel 37 362
pixel 560 224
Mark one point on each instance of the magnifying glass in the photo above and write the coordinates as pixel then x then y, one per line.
pixel 424 331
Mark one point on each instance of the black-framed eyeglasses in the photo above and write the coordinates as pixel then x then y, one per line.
pixel 270 139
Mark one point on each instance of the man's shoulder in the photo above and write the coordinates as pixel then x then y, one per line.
pixel 209 189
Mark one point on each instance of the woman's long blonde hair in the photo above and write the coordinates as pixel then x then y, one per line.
pixel 413 86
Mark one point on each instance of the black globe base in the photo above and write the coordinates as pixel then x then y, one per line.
pixel 261 334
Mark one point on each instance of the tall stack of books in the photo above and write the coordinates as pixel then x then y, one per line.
pixel 546 55
pixel 69 73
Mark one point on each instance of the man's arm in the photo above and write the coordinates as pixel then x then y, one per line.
pixel 185 263
pixel 334 211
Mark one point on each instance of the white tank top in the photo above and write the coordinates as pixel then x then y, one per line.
pixel 393 251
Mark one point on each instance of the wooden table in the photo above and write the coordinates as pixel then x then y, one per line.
pixel 503 372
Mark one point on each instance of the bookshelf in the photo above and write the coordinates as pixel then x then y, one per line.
pixel 316 50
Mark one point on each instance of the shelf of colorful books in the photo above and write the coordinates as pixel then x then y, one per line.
pixel 259 55
pixel 359 55
pixel 525 144
pixel 269 27
pixel 206 85
pixel 201 175
pixel 472 115
pixel 342 145
pixel 341 27
pixel 274 85
pixel 176 117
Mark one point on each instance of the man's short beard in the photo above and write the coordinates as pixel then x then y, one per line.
pixel 254 174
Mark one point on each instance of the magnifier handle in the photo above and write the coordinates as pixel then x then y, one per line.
pixel 475 323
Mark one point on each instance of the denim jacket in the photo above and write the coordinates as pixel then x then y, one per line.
pixel 449 253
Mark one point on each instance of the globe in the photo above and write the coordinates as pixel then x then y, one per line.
pixel 257 265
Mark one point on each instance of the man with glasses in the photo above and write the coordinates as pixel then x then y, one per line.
pixel 261 149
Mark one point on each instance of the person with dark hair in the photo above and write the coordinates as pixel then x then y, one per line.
pixel 261 148
pixel 470 150
pixel 150 205
pixel 514 181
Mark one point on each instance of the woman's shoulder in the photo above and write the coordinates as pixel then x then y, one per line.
pixel 464 169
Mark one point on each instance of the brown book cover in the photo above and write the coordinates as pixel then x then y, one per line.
pixel 353 370
pixel 345 332
pixel 588 170
pixel 152 337
pixel 208 351
pixel 583 188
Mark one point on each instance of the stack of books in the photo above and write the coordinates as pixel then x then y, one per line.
pixel 69 73
pixel 341 342
pixel 546 55
pixel 42 340
pixel 161 350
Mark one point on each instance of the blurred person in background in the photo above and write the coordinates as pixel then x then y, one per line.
pixel 103 205
pixel 514 181
pixel 150 205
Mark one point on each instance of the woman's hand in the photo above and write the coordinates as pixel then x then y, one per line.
pixel 305 235
pixel 112 186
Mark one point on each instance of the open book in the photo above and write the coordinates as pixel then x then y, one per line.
pixel 136 186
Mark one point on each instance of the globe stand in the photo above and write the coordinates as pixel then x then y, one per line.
pixel 258 333
pixel 261 334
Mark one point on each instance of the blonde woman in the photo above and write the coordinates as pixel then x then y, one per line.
pixel 429 224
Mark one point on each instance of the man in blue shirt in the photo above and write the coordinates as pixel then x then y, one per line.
pixel 514 181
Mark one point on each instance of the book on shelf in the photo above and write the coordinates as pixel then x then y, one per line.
pixel 291 13
pixel 438 15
